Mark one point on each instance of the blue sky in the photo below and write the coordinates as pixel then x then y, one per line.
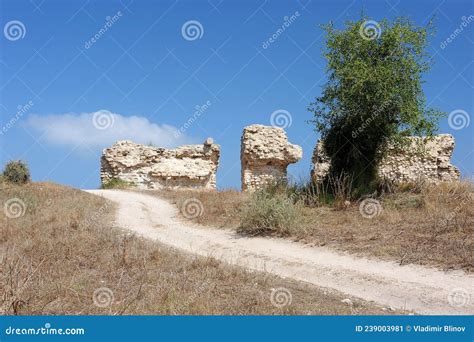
pixel 153 75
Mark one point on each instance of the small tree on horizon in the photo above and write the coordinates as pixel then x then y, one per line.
pixel 16 171
pixel 373 95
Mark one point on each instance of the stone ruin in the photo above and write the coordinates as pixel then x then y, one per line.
pixel 265 154
pixel 148 167
pixel 427 159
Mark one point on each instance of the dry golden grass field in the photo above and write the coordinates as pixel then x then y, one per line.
pixel 432 225
pixel 62 255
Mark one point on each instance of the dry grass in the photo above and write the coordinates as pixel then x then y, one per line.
pixel 430 226
pixel 267 213
pixel 55 256
pixel 435 227
pixel 221 209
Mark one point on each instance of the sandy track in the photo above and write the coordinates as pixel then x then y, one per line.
pixel 416 288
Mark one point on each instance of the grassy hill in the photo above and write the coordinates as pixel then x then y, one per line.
pixel 61 254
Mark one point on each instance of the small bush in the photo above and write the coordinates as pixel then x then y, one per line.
pixel 117 183
pixel 305 192
pixel 270 212
pixel 16 172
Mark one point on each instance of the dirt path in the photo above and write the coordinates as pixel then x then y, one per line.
pixel 419 289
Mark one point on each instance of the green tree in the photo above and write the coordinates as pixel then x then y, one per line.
pixel 373 95
pixel 17 172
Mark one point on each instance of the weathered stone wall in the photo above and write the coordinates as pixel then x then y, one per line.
pixel 265 154
pixel 148 167
pixel 428 159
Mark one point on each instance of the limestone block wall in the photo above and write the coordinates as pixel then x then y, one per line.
pixel 265 154
pixel 148 167
pixel 423 158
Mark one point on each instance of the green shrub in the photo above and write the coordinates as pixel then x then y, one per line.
pixel 117 183
pixel 304 191
pixel 270 212
pixel 17 172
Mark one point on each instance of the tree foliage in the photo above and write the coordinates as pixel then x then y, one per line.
pixel 373 94
pixel 17 172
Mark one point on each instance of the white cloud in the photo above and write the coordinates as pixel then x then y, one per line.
pixel 102 129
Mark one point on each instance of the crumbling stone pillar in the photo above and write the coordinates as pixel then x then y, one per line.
pixel 265 154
